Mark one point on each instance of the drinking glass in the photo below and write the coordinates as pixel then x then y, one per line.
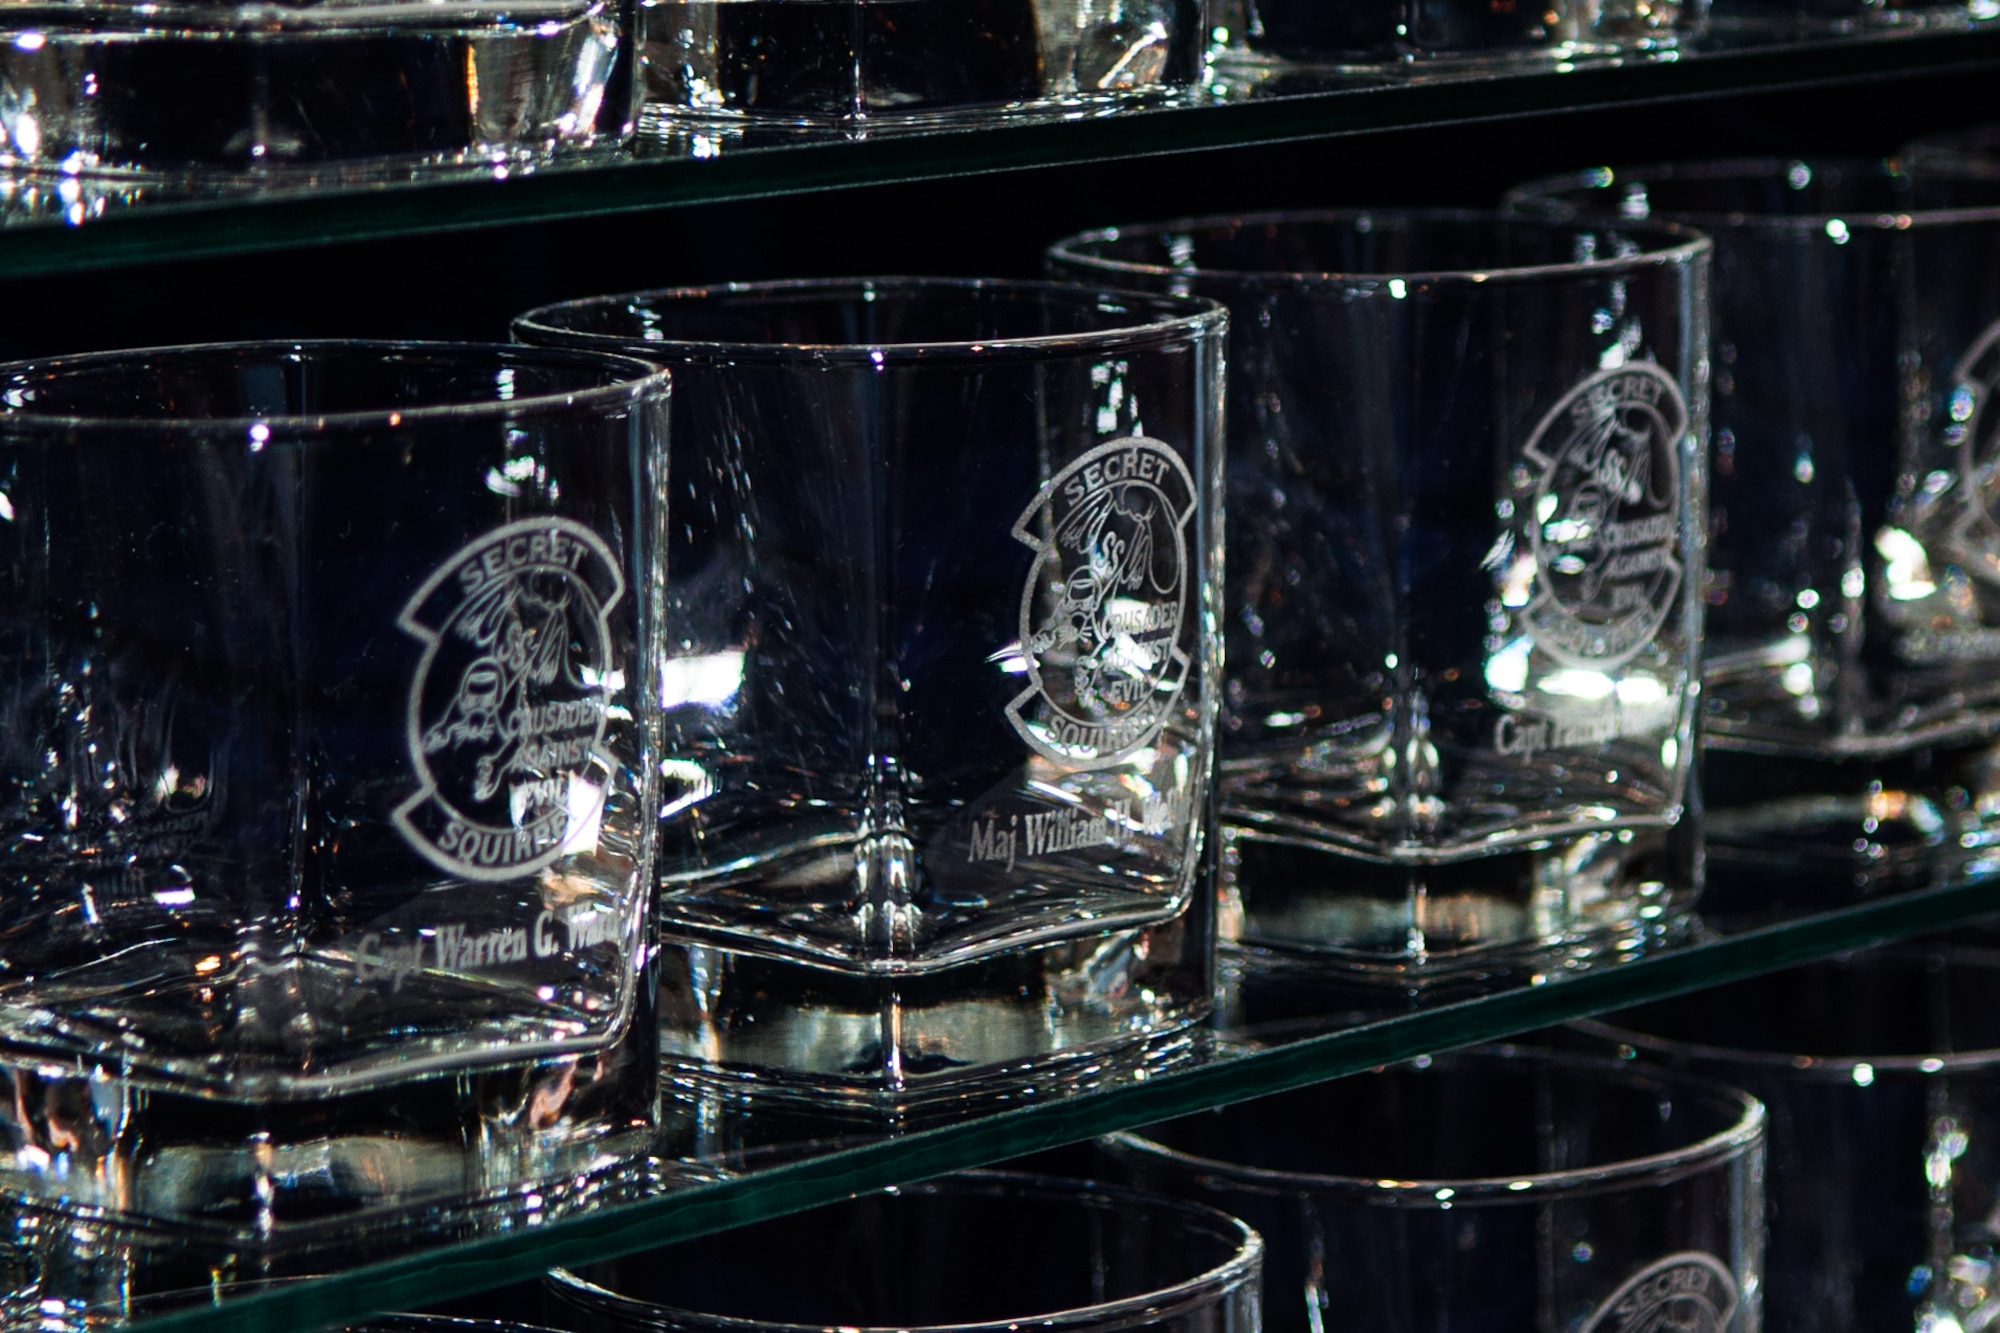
pixel 1762 23
pixel 311 89
pixel 865 66
pixel 939 677
pixel 1497 1189
pixel 1466 496
pixel 984 1252
pixel 321 764
pixel 1849 668
pixel 1882 1075
pixel 1282 45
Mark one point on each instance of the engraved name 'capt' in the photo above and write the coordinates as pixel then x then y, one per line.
pixel 1104 603
pixel 1599 496
pixel 508 704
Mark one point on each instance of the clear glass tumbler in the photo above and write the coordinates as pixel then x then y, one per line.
pixel 316 88
pixel 1882 1076
pixel 1493 1190
pixel 1280 45
pixel 1762 23
pixel 321 765
pixel 985 1252
pixel 866 66
pixel 1466 496
pixel 940 676
pixel 1853 589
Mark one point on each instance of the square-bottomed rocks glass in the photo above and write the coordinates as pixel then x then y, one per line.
pixel 1270 47
pixel 321 759
pixel 939 678
pixel 1854 563
pixel 303 93
pixel 1466 488
pixel 864 67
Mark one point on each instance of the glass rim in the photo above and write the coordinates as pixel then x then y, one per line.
pixel 644 380
pixel 1686 244
pixel 1555 190
pixel 1159 1303
pixel 1527 1187
pixel 1176 316
pixel 1839 1068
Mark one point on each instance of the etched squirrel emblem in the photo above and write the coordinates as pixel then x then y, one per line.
pixel 525 637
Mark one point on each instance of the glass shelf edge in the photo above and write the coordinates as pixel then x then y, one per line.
pixel 425 1277
pixel 212 228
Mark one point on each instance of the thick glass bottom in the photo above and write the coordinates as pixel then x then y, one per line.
pixel 185 88
pixel 85 1141
pixel 1794 831
pixel 1057 1016
pixel 1399 922
pixel 911 62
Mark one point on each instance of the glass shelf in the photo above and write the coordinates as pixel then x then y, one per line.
pixel 719 1165
pixel 53 225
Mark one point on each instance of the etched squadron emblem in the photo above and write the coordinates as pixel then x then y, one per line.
pixel 1102 611
pixel 1689 1292
pixel 1602 510
pixel 509 701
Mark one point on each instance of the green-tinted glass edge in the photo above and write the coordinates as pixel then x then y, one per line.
pixel 427 1276
pixel 208 228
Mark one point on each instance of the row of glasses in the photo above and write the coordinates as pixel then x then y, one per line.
pixel 1613 1182
pixel 372 706
pixel 140 99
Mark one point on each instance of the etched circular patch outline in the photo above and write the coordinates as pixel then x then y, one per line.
pixel 1102 609
pixel 508 703
pixel 1690 1292
pixel 1603 516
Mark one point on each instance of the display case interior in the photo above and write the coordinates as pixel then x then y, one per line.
pixel 249 267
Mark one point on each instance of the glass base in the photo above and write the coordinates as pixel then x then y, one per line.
pixel 743 1026
pixel 1249 69
pixel 1602 893
pixel 1788 832
pixel 82 1140
pixel 912 63
pixel 184 87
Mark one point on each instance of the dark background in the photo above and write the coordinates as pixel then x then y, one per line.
pixel 466 285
